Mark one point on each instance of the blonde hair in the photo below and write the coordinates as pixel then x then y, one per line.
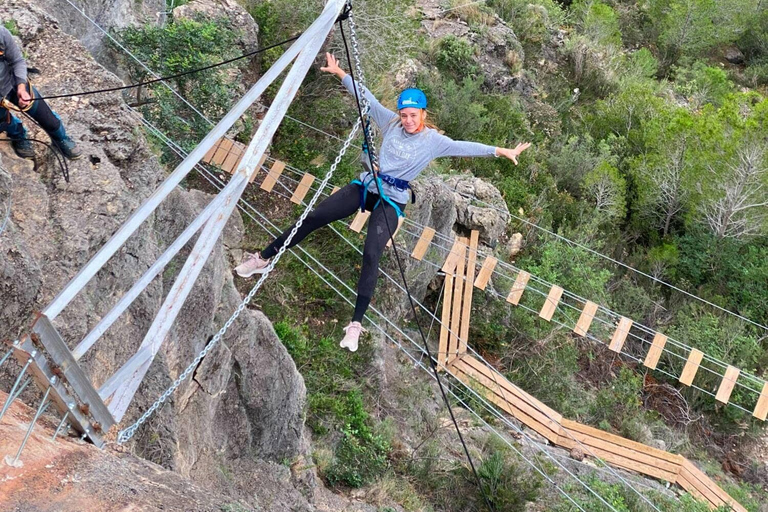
pixel 426 122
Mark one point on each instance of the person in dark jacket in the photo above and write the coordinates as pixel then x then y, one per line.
pixel 16 93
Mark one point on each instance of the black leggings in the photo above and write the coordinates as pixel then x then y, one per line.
pixel 340 205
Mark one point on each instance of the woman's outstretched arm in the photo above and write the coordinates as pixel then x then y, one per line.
pixel 445 146
pixel 381 115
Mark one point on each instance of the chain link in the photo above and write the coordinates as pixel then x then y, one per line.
pixel 361 79
pixel 126 434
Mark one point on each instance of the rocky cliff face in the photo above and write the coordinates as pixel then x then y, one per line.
pixel 246 398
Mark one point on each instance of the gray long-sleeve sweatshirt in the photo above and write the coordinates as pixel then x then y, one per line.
pixel 404 155
pixel 13 67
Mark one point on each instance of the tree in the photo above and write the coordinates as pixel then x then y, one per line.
pixel 664 175
pixel 606 188
pixel 740 209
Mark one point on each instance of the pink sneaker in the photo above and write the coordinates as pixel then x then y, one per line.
pixel 353 331
pixel 252 264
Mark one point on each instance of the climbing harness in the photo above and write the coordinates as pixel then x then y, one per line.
pixel 380 177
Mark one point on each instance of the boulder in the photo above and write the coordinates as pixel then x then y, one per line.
pixel 246 398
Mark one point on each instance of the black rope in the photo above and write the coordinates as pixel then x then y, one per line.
pixel 433 364
pixel 170 77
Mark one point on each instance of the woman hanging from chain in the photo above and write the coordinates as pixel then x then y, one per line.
pixel 409 143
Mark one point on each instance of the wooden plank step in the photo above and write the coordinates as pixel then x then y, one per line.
pixel 474 240
pixel 302 188
pixel 221 153
pixel 521 281
pixel 547 428
pixel 533 407
pixel 258 169
pixel 272 176
pixel 480 367
pixel 727 384
pixel 485 272
pixel 620 335
pixel 621 441
pixel 399 224
pixel 654 353
pixel 334 190
pixel 423 243
pixel 705 485
pixel 458 289
pixel 453 257
pixel 761 409
pixel 691 485
pixel 233 158
pixel 631 450
pixel 585 320
pixel 445 320
pixel 359 221
pixel 691 366
pixel 551 302
pixel 212 151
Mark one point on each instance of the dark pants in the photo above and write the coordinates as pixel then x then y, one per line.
pixel 40 112
pixel 340 205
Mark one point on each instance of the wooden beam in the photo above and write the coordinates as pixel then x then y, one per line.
pixel 423 244
pixel 222 152
pixel 620 335
pixel 458 286
pixel 727 384
pixel 585 320
pixel 302 188
pixel 445 320
pixel 399 223
pixel 474 240
pixel 551 302
pixel 485 272
pixel 453 256
pixel 272 176
pixel 518 288
pixel 691 366
pixel 359 221
pixel 761 409
pixel 654 353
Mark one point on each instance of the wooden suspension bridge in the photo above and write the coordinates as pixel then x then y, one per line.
pixel 47 360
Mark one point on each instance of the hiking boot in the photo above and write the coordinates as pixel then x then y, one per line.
pixel 252 264
pixel 23 148
pixel 351 336
pixel 65 144
pixel 68 148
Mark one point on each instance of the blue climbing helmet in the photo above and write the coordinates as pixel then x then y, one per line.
pixel 412 98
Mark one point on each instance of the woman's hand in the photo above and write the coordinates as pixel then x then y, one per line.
pixel 512 154
pixel 332 66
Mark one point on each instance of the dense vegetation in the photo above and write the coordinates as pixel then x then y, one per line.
pixel 648 121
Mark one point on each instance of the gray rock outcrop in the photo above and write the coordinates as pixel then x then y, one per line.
pixel 246 398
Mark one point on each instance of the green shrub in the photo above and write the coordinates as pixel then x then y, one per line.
pixel 12 27
pixel 505 484
pixel 360 458
pixel 456 56
pixel 532 20
pixel 182 45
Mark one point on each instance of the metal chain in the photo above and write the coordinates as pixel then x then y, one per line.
pixel 361 78
pixel 126 434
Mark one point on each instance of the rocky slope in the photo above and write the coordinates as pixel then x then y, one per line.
pixel 246 398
